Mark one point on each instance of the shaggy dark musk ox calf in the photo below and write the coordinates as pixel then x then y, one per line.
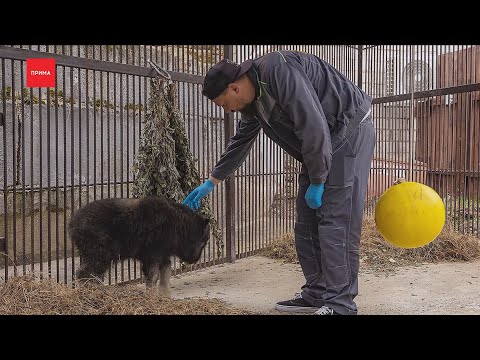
pixel 150 229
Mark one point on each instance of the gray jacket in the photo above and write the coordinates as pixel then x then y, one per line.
pixel 303 104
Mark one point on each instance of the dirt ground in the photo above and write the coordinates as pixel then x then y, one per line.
pixel 256 283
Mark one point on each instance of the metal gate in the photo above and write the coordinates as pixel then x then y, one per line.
pixel 68 145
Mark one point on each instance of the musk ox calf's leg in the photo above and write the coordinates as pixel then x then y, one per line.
pixel 151 271
pixel 155 269
pixel 165 273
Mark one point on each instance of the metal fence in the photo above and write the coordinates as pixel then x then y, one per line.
pixel 66 146
pixel 426 111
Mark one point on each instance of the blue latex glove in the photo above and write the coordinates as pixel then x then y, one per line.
pixel 193 199
pixel 313 196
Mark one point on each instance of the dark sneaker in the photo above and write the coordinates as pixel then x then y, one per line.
pixel 296 305
pixel 325 310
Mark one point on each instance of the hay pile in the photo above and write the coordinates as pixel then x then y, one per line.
pixel 450 245
pixel 281 248
pixel 25 295
pixel 376 254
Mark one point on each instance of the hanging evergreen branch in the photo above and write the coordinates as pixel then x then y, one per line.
pixel 164 164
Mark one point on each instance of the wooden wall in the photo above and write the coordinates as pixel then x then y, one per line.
pixel 448 127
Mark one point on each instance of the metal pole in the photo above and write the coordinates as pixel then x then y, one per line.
pixel 230 181
pixel 410 123
pixel 360 66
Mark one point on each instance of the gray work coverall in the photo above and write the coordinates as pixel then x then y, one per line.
pixel 321 118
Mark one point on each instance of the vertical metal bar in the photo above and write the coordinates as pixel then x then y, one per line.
pixel 451 133
pixel 218 141
pixel 451 140
pixel 120 133
pixel 49 179
pixel 237 209
pixel 468 145
pixel 398 119
pixel 40 154
pixel 475 141
pixel 438 140
pixel 263 182
pixel 142 118
pixel 444 133
pixel 107 104
pixel 57 172
pixel 24 226
pixel 243 210
pixel 87 118
pixel 471 144
pixel 80 137
pixel 134 78
pixel 383 123
pixel 5 182
pixel 410 120
pixel 476 155
pixel 229 181
pixel 109 150
pixel 102 151
pixel 212 256
pixel 137 79
pixel 376 173
pixel 458 169
pixel 127 140
pixel 211 155
pixel 253 198
pixel 271 174
pixel 257 197
pixel 208 129
pixel 72 161
pixel 463 110
pixel 14 168
pixel 474 136
pixel 438 176
pixel 115 149
pixel 360 70
pixel 383 114
pixel 389 119
pixel 427 131
pixel 133 107
pixel 282 159
pixel 355 67
pixel 455 142
pixel 226 204
pixel 94 107
pixel 250 205
pixel 205 138
pixel 65 257
pixel 241 189
pixel 278 176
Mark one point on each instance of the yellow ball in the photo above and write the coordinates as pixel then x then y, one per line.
pixel 410 215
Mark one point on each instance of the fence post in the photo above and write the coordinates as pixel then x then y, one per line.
pixel 229 182
pixel 360 66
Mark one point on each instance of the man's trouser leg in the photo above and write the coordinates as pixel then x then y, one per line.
pixel 327 239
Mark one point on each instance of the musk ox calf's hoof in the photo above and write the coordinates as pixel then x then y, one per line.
pixel 151 229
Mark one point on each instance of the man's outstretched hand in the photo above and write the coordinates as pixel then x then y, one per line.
pixel 193 199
